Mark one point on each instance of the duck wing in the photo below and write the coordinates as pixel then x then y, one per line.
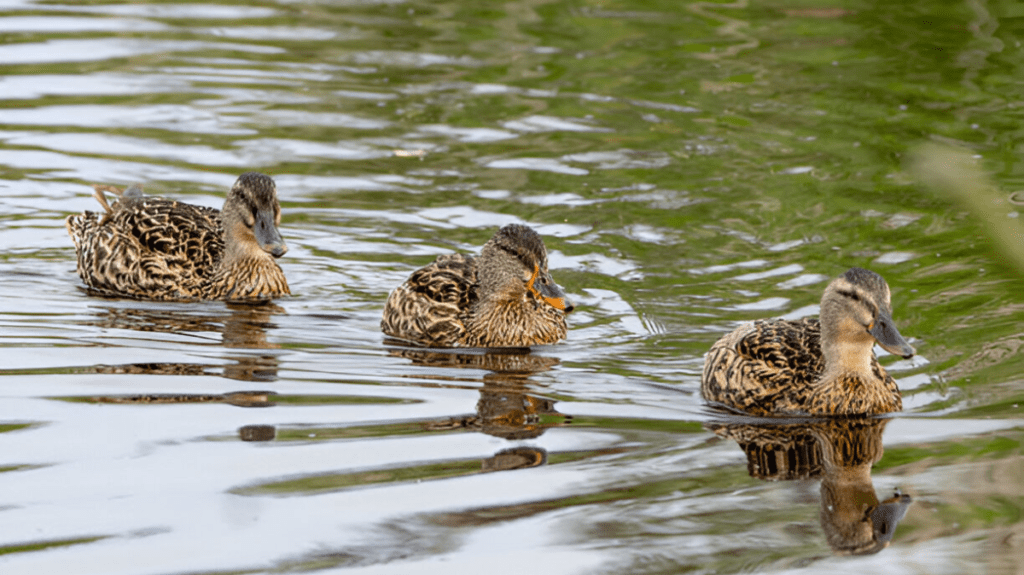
pixel 148 248
pixel 426 309
pixel 764 367
pixel 784 350
pixel 182 235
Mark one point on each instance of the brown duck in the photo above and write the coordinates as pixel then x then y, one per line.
pixel 504 297
pixel 157 249
pixel 813 367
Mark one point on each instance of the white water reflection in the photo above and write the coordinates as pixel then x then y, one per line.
pixel 895 257
pixel 301 118
pixel 278 33
pixel 126 146
pixel 469 135
pixel 270 151
pixel 180 118
pixel 33 86
pixel 621 160
pixel 802 280
pixel 766 304
pixel 563 199
pixel 541 164
pixel 550 124
pixel 374 183
pixel 97 170
pixel 409 59
pixel 53 51
pixel 722 268
pixel 20 24
pixel 775 272
pixel 170 11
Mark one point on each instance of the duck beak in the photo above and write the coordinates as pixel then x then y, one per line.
pixel 884 331
pixel 550 292
pixel 267 234
pixel 887 515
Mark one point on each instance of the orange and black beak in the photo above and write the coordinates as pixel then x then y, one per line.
pixel 545 288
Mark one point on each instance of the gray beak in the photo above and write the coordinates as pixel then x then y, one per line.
pixel 887 515
pixel 267 234
pixel 884 331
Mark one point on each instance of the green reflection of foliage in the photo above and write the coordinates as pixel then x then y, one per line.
pixel 5 427
pixel 338 400
pixel 351 432
pixel 432 471
pixel 321 483
pixel 30 547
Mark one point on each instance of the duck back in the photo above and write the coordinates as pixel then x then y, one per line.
pixel 765 367
pixel 148 248
pixel 427 308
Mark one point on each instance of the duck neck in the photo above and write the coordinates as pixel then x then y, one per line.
pixel 248 278
pixel 852 382
pixel 845 343
pixel 246 272
pixel 845 356
pixel 513 320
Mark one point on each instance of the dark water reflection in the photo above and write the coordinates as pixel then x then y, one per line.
pixel 690 166
pixel 838 452
pixel 239 326
pixel 507 407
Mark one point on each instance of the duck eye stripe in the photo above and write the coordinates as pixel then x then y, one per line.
pixel 856 297
pixel 523 256
pixel 850 294
pixel 509 250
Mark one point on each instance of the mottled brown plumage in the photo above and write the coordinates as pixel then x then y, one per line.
pixel 812 367
pixel 157 249
pixel 505 297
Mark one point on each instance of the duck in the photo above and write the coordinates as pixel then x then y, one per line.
pixel 812 367
pixel 505 297
pixel 151 248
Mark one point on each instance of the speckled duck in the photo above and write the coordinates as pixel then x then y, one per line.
pixel 812 367
pixel 153 248
pixel 504 297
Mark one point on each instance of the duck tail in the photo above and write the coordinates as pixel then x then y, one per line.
pixel 133 191
pixel 102 198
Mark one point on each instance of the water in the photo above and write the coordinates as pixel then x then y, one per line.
pixel 690 165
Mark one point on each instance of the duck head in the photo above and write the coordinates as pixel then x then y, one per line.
pixel 252 214
pixel 856 311
pixel 515 261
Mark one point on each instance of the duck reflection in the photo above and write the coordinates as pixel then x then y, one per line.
pixel 506 407
pixel 243 326
pixel 841 453
pixel 257 433
pixel 240 326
